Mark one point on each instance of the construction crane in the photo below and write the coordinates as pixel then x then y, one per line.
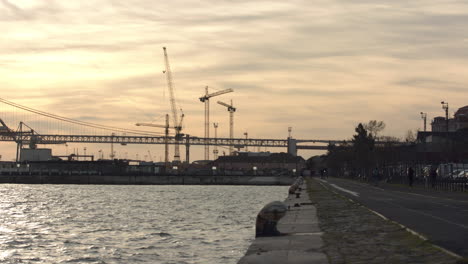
pixel 175 120
pixel 231 109
pixel 166 137
pixel 206 99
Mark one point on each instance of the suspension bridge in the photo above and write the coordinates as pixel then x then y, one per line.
pixel 38 127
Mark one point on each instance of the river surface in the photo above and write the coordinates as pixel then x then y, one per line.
pixel 129 224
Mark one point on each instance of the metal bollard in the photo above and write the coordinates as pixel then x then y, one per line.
pixel 268 218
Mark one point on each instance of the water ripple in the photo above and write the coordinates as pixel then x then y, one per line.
pixel 129 224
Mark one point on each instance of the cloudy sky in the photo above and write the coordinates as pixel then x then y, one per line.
pixel 319 66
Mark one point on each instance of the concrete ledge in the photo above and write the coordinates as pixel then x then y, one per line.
pixel 145 179
pixel 302 242
pixel 285 256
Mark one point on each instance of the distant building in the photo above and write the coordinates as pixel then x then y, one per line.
pixel 438 145
pixel 43 154
pixel 261 162
pixel 459 121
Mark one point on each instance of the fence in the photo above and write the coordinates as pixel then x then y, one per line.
pixel 450 176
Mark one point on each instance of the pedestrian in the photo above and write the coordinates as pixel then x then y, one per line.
pixel 410 176
pixel 433 176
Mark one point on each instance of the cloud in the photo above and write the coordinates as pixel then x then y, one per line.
pixel 12 11
pixel 426 83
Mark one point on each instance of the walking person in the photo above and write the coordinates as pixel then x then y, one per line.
pixel 410 176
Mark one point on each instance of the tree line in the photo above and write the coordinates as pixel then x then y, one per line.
pixel 368 150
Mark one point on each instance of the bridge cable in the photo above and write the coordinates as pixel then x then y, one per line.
pixel 78 122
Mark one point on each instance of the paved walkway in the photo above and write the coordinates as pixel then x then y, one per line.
pixel 353 234
pixel 439 219
pixel 302 242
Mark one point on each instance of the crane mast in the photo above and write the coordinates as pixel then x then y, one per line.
pixel 175 120
pixel 166 137
pixel 231 109
pixel 206 99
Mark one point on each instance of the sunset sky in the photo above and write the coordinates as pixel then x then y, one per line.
pixel 320 67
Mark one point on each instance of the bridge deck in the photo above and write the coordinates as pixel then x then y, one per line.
pixel 61 139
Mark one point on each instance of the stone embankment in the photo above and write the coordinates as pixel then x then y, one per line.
pixel 300 241
pixel 142 179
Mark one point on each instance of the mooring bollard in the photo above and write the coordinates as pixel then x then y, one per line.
pixel 293 188
pixel 268 218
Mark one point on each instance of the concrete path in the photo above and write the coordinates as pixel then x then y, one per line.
pixel 440 219
pixel 302 242
pixel 353 234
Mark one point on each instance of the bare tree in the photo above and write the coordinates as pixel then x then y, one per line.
pixel 374 127
pixel 410 136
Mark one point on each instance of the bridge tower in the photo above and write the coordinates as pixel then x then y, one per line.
pixel 292 146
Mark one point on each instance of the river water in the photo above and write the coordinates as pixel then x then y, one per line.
pixel 128 223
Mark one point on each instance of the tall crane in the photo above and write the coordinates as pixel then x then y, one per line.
pixel 206 99
pixel 175 120
pixel 166 134
pixel 231 109
pixel 166 137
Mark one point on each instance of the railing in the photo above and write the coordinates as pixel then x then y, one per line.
pixel 445 180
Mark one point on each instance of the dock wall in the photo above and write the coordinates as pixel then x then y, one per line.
pixel 147 180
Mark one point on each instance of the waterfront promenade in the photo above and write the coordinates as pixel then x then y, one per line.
pixel 301 242
pixel 332 227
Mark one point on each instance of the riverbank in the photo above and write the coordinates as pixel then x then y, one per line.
pixel 301 241
pixel 149 180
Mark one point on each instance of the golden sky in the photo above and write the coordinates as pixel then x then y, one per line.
pixel 320 67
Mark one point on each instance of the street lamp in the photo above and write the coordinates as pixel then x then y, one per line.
pixel 246 136
pixel 445 106
pixel 424 117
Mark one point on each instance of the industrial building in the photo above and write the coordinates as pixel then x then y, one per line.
pixel 261 163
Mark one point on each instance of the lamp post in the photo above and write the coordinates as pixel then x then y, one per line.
pixel 424 118
pixel 445 106
pixel 246 134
